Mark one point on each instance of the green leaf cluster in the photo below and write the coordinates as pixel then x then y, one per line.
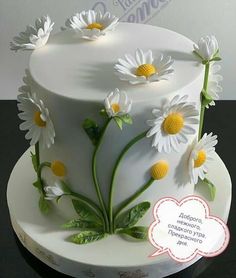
pixel 88 221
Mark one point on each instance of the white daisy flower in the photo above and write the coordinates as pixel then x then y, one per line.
pixel 91 25
pixel 172 124
pixel 35 36
pixel 200 156
pixel 36 120
pixel 207 47
pixel 117 103
pixel 54 191
pixel 213 83
pixel 144 68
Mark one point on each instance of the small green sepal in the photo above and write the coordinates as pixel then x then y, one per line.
pixel 198 55
pixel 127 119
pixel 119 122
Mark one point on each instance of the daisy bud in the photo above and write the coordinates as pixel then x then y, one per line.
pixel 159 170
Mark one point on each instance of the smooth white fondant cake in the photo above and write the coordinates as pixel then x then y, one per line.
pixel 116 119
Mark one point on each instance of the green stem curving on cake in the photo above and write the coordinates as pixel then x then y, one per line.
pixel 112 185
pixel 95 178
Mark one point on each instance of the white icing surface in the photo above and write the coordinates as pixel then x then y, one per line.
pixel 84 70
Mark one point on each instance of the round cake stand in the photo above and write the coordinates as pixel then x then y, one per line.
pixel 110 257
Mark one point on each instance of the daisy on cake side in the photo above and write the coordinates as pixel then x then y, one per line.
pixel 172 124
pixel 36 120
pixel 200 156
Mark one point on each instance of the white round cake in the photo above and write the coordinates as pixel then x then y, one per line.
pixel 115 113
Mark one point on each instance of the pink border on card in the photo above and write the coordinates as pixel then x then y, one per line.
pixel 197 251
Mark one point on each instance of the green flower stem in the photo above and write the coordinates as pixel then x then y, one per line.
pixel 39 173
pixel 133 197
pixel 90 203
pixel 37 154
pixel 205 86
pixel 124 151
pixel 95 178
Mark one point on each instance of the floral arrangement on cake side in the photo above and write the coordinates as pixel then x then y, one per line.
pixel 170 127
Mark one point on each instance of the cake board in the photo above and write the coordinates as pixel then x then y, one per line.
pixel 111 257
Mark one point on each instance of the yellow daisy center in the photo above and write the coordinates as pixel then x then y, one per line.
pixel 95 25
pixel 58 168
pixel 37 119
pixel 115 107
pixel 173 123
pixel 159 170
pixel 200 160
pixel 146 70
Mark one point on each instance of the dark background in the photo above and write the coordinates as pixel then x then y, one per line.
pixel 17 262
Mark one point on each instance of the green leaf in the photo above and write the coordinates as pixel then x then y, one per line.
pixel 127 119
pixel 206 99
pixel 137 232
pixel 92 130
pixel 34 161
pixel 212 188
pixel 38 185
pixel 85 212
pixel 119 122
pixel 216 59
pixel 87 237
pixel 130 217
pixel 81 224
pixel 44 205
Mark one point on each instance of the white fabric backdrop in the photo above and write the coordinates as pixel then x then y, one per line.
pixel 192 18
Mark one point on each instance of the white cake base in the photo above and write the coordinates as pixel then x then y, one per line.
pixel 110 257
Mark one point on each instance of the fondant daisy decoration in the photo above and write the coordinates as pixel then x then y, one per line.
pixel 36 120
pixel 213 87
pixel 117 106
pixel 172 124
pixel 117 103
pixel 207 48
pixel 143 67
pixel 34 36
pixel 91 24
pixel 200 157
pixel 54 191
